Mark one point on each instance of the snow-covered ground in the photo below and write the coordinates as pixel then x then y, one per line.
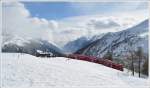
pixel 26 71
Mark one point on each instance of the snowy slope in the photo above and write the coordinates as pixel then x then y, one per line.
pixel 26 71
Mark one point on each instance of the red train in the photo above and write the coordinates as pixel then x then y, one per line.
pixel 104 62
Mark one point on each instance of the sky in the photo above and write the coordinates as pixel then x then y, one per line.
pixel 61 22
pixel 60 10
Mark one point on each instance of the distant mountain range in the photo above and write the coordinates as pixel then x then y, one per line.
pixel 118 42
pixel 75 45
pixel 30 46
pixel 98 45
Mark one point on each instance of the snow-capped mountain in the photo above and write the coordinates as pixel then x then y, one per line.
pixel 75 45
pixel 29 45
pixel 119 42
pixel 79 43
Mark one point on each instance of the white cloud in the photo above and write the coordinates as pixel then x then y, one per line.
pixel 97 24
pixel 103 24
pixel 18 22
pixel 53 24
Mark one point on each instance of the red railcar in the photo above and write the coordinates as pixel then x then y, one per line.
pixel 104 62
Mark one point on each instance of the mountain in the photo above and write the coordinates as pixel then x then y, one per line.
pixel 75 45
pixel 30 46
pixel 119 42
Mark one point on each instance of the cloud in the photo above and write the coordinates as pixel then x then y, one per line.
pixel 103 24
pixel 18 22
pixel 97 24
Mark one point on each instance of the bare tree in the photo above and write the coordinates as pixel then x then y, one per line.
pixel 139 54
pixel 108 55
pixel 131 56
pixel 130 59
pixel 145 66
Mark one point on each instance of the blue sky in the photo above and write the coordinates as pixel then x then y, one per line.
pixel 60 10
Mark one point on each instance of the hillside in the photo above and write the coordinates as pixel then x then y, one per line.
pixel 119 42
pixel 75 45
pixel 26 71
